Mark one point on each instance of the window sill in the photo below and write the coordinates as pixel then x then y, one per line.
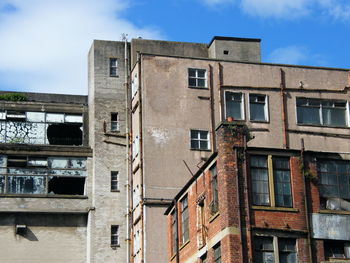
pixel 323 126
pixel 253 121
pixel 275 209
pixel 213 217
pixel 184 244
pixel 114 76
pixel 203 88
pixel 340 212
pixel 115 246
pixel 202 150
pixel 115 191
pixel 44 196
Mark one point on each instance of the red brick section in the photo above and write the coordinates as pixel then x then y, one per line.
pixel 235 210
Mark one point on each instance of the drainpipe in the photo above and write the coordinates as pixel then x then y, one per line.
pixel 284 122
pixel 219 89
pixel 239 207
pixel 212 114
pixel 307 216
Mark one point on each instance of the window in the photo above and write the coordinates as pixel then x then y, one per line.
pixel 197 78
pixel 234 106
pixel 334 249
pixel 258 107
pixel 217 253
pixel 114 122
pixel 334 178
pixel 113 67
pixel 271 185
pixel 264 250
pixel 114 181
pixel 199 140
pixel 173 233
pixel 184 220
pixel 322 112
pixel 214 205
pixel 204 259
pixel 114 235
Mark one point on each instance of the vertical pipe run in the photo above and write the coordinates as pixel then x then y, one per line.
pixel 177 232
pixel 220 92
pixel 283 102
pixel 212 113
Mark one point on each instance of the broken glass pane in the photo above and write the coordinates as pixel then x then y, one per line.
pixel 68 172
pixel 58 162
pixel 2 184
pixel 26 185
pixel 2 115
pixel 37 162
pixel 26 171
pixel 3 160
pixel 73 118
pixel 78 163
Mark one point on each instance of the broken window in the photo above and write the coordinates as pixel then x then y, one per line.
pixel 234 106
pixel 271 249
pixel 334 249
pixel 114 122
pixel 41 128
pixel 322 112
pixel 42 175
pixel 199 139
pixel 184 220
pixel 214 205
pixel 271 172
pixel 197 78
pixel 258 107
pixel 334 181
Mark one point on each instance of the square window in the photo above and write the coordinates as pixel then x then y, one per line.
pixel 257 107
pixel 199 140
pixel 114 181
pixel 197 78
pixel 113 67
pixel 234 105
pixel 115 235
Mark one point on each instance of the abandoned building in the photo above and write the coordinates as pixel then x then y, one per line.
pixel 91 176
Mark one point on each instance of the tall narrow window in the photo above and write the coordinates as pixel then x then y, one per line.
pixel 217 253
pixel 115 235
pixel 234 105
pixel 263 250
pixel 114 181
pixel 257 107
pixel 184 220
pixel 114 122
pixel 287 252
pixel 214 205
pixel 173 233
pixel 113 67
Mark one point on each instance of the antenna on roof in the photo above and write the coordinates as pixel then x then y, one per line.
pixel 124 37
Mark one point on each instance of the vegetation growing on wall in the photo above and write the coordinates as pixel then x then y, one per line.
pixel 13 97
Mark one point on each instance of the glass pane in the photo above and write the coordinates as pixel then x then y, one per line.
pixel 191 72
pixel 55 117
pixel 233 105
pixel 257 112
pixel 58 162
pixel 78 163
pixel 334 117
pixel 204 145
pixel 2 184
pixel 201 82
pixel 203 135
pixel 201 73
pixel 68 172
pixel 35 116
pixel 73 118
pixel 194 144
pixel 308 115
pixel 26 185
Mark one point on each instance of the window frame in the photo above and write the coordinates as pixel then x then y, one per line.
pixel 242 106
pixel 214 204
pixel 196 78
pixel 113 67
pixel 266 107
pixel 271 180
pixel 115 236
pixel 199 140
pixel 115 181
pixel 217 253
pixel 320 108
pixel 115 122
pixel 184 215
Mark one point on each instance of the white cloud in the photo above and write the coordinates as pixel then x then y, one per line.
pixel 217 2
pixel 288 55
pixel 276 8
pixel 44 43
pixel 337 9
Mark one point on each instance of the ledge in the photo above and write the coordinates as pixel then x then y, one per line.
pixel 212 218
pixel 338 212
pixel 275 209
pixel 184 244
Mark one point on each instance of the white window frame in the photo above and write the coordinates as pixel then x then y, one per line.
pixel 196 78
pixel 113 65
pixel 199 139
pixel 242 104
pixel 114 123
pixel 266 107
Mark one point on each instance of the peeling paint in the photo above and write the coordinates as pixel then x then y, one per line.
pixel 160 136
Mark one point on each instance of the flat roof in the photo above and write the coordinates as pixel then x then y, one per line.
pixel 243 39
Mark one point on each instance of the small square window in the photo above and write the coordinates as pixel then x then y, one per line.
pixel 114 122
pixel 114 181
pixel 234 106
pixel 113 67
pixel 257 107
pixel 199 140
pixel 197 78
pixel 115 235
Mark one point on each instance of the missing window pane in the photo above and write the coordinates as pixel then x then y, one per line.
pixel 66 185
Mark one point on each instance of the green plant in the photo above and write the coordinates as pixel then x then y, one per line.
pixel 243 129
pixel 13 97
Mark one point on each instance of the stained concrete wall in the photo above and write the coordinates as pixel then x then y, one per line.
pixel 107 95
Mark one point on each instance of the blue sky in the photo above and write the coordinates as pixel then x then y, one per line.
pixel 44 43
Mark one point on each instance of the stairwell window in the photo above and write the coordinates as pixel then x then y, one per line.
pixel 199 140
pixel 113 67
pixel 234 105
pixel 271 182
pixel 197 78
pixel 115 236
pixel 184 220
pixel 114 181
pixel 320 112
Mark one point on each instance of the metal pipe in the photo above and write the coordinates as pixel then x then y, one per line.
pixel 308 227
pixel 284 123
pixel 212 114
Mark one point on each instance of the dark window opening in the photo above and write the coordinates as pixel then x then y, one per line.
pixel 66 185
pixel 17 161
pixel 114 121
pixel 226 52
pixel 16 116
pixel 65 134
pixel 114 181
pixel 336 249
pixel 114 235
